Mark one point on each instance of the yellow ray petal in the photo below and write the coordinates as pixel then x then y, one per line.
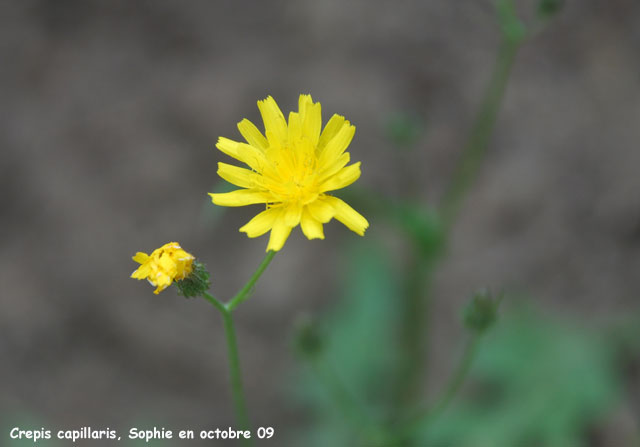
pixel 321 210
pixel 252 156
pixel 279 234
pixel 274 123
pixel 238 176
pixel 330 130
pixel 337 145
pixel 142 272
pixel 140 257
pixel 303 101
pixel 311 117
pixel 228 147
pixel 333 168
pixel 241 197
pixel 251 133
pixel 166 262
pixel 295 126
pixel 292 215
pixel 311 228
pixel 261 223
pixel 347 215
pixel 342 178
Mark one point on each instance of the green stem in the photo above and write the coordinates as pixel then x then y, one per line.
pixel 451 390
pixel 476 147
pixel 235 373
pixel 415 324
pixel 244 293
pixel 350 408
pixel 216 302
pixel 343 398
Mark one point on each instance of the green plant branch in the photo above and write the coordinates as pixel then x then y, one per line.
pixel 235 372
pixel 476 146
pixel 339 392
pixel 450 391
pixel 347 405
pixel 417 303
pixel 213 300
pixel 245 292
pixel 413 361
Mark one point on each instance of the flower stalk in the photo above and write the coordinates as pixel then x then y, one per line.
pixel 245 292
pixel 235 370
pixel 235 373
pixel 476 146
pixel 451 389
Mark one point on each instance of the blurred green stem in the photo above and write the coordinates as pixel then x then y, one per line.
pixel 415 320
pixel 476 147
pixel 352 410
pixel 235 373
pixel 417 303
pixel 339 392
pixel 450 391
pixel 244 293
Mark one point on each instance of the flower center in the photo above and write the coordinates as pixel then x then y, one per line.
pixel 296 166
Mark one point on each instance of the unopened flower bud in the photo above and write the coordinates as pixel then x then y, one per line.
pixel 170 264
pixel 196 283
pixel 482 311
pixel 163 266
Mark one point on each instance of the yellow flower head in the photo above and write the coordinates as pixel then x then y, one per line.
pixel 166 264
pixel 292 170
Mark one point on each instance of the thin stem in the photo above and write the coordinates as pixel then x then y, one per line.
pixel 216 302
pixel 340 394
pixel 415 324
pixel 476 147
pixel 350 408
pixel 450 391
pixel 243 294
pixel 235 373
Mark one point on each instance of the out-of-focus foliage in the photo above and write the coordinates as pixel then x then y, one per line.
pixel 422 225
pixel 482 311
pixel 404 129
pixel 25 421
pixel 358 347
pixel 548 8
pixel 536 381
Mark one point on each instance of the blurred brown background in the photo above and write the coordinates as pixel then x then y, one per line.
pixel 109 115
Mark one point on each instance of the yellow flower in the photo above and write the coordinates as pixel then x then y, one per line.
pixel 166 264
pixel 292 170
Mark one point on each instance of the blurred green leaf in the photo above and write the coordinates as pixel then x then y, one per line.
pixel 404 129
pixel 29 422
pixel 422 225
pixel 549 8
pixel 419 222
pixel 536 382
pixel 358 346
